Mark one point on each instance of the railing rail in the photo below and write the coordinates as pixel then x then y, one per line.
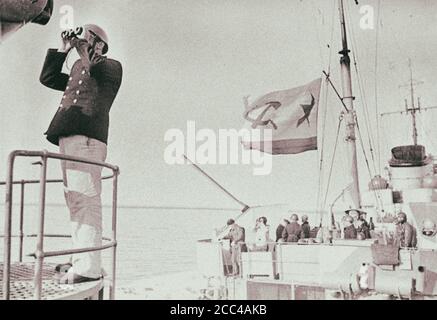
pixel 39 254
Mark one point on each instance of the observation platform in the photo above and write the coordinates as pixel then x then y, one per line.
pixel 22 286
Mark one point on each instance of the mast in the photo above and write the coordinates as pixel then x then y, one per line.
pixel 413 108
pixel 349 115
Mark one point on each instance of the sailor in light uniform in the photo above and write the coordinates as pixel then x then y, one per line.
pixel 80 128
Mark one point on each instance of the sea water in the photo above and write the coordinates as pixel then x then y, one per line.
pixel 151 241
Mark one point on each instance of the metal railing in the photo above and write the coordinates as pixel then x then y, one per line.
pixel 40 254
pixel 276 249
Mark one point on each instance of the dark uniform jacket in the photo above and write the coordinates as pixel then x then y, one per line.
pixel 236 234
pixel 306 229
pixel 89 92
pixel 279 231
pixel 350 232
pixel 364 231
pixel 292 232
pixel 406 235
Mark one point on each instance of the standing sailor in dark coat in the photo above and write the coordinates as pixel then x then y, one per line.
pixel 236 236
pixel 405 233
pixel 306 229
pixel 349 231
pixel 284 222
pixel 292 232
pixel 80 128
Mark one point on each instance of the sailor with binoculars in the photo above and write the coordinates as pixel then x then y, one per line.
pixel 80 128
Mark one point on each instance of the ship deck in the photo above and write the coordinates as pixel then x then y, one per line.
pixel 22 284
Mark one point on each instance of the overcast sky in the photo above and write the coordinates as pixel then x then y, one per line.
pixel 195 60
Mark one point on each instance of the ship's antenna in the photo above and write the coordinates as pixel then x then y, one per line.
pixel 349 114
pixel 413 109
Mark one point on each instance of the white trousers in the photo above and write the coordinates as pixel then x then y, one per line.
pixel 82 190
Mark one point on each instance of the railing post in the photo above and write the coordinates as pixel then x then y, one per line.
pixel 40 235
pixel 7 230
pixel 20 254
pixel 39 254
pixel 114 233
pixel 281 276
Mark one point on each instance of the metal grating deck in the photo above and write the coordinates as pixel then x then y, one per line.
pixel 22 286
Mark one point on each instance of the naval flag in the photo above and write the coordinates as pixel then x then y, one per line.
pixel 291 115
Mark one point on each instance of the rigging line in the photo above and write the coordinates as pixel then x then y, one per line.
pixel 367 164
pixel 377 195
pixel 340 119
pixel 361 88
pixel 366 159
pixel 317 31
pixel 384 132
pixel 325 106
pixel 426 132
pixel 402 52
pixel 334 9
pixel 367 121
pixel 360 82
pixel 378 22
pixel 335 90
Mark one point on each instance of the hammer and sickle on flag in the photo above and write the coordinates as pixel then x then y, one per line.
pixel 260 121
pixel 284 112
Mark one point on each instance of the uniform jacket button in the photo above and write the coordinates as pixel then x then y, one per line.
pixel 75 100
pixel 70 78
pixel 77 92
pixel 83 71
pixel 80 81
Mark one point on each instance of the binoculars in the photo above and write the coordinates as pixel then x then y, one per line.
pixel 69 34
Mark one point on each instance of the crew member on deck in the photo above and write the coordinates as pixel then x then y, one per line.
pixel 237 237
pixel 306 229
pixel 363 217
pixel 284 222
pixel 80 128
pixel 261 234
pixel 405 235
pixel 349 231
pixel 363 231
pixel 292 232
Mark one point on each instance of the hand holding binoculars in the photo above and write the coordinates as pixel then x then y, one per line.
pixel 72 33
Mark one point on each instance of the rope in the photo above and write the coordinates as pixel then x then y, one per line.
pixel 335 90
pixel 427 133
pixel 376 86
pixel 332 36
pixel 325 106
pixel 363 149
pixel 366 115
pixel 362 91
pixel 325 113
pixel 376 194
pixel 332 160
pixel 317 31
